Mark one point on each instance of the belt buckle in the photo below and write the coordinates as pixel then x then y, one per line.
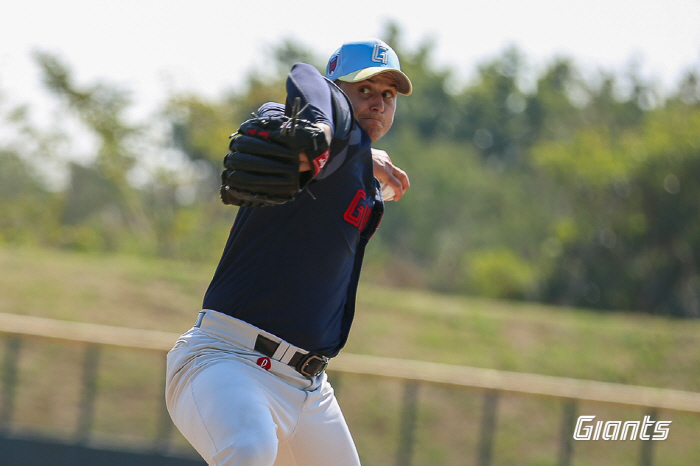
pixel 311 360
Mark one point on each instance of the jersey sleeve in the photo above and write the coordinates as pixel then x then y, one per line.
pixel 304 81
pixel 271 109
pixel 322 101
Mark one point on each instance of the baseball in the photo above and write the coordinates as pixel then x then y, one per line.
pixel 387 192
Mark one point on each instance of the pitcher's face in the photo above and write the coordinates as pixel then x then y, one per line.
pixel 374 103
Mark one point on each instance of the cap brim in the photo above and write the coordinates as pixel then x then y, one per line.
pixel 404 84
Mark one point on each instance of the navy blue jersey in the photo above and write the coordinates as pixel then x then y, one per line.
pixel 293 269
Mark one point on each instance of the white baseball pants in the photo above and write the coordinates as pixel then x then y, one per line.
pixel 238 408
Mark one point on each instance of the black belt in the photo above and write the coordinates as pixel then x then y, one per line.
pixel 308 365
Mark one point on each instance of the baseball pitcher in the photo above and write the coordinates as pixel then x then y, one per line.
pixel 247 384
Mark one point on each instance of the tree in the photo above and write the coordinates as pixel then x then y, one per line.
pixel 629 221
pixel 101 109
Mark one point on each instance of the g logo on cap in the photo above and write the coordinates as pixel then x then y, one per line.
pixel 379 54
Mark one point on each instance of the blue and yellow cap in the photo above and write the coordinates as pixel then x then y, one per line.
pixel 357 61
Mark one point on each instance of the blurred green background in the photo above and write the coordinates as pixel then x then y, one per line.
pixel 576 192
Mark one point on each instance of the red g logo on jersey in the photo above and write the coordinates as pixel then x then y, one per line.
pixel 358 211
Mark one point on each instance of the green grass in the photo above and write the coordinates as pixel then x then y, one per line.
pixel 612 347
pixel 412 324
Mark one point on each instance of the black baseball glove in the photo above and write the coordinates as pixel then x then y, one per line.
pixel 262 167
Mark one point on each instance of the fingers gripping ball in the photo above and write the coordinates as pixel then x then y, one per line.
pixel 262 167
